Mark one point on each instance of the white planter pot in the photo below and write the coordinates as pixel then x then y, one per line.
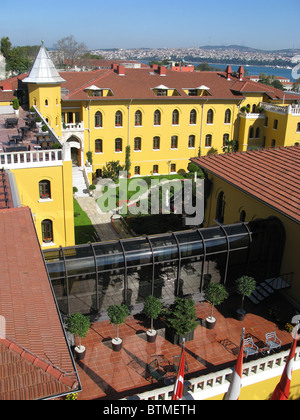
pixel 151 336
pixel 79 352
pixel 210 322
pixel 117 344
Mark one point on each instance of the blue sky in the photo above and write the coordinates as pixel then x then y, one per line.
pixel 142 23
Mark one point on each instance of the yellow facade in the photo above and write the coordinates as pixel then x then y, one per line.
pixel 263 390
pixel 237 202
pixel 58 208
pixel 47 99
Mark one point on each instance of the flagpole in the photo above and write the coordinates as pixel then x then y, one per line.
pixel 179 382
pixel 236 379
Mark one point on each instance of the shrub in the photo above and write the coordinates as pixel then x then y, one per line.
pixel 181 316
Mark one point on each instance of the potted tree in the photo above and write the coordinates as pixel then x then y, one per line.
pixel 215 294
pixel 16 106
pixel 152 309
pixel 180 319
pixel 245 286
pixel 78 325
pixel 117 315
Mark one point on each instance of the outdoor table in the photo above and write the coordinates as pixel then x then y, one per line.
pixel 11 122
pixel 15 139
pixel 24 131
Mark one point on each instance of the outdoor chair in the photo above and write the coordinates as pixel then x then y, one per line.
pixel 272 341
pixel 249 347
pixel 176 361
pixel 155 371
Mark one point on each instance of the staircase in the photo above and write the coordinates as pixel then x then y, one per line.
pixel 268 287
pixel 79 182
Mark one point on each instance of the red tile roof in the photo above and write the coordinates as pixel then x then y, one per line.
pixel 139 84
pixel 269 175
pixel 32 324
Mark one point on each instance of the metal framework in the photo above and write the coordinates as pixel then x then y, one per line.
pixel 211 251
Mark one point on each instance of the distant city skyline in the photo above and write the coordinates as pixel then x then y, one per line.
pixel 271 25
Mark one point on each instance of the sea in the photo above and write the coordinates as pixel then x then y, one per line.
pixel 256 70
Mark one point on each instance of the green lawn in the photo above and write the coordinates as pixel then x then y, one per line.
pixel 84 230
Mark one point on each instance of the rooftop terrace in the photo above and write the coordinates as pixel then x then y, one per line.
pixel 108 375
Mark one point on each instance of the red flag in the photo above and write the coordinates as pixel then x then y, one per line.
pixel 178 388
pixel 282 390
pixel 236 381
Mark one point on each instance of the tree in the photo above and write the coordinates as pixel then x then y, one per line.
pixel 78 325
pixel 245 286
pixel 215 294
pixel 17 60
pixel 69 50
pixel 127 159
pixel 112 169
pixel 117 315
pixel 152 308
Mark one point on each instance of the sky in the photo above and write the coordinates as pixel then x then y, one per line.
pixel 127 24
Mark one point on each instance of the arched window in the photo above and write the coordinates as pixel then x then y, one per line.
pixel 138 118
pixel 156 143
pixel 47 231
pixel 99 146
pixel 119 119
pixel 191 141
pixel 257 133
pixel 210 116
pixel 98 119
pixel 298 127
pixel 227 116
pixel 220 207
pixel 243 216
pixel 193 117
pixel 137 143
pixel 45 189
pixel 46 102
pixel 225 140
pixel 118 145
pixel 174 142
pixel 251 133
pixel 175 117
pixel 157 117
pixel 208 140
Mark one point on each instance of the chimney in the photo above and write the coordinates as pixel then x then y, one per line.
pixel 154 66
pixel 228 72
pixel 162 71
pixel 121 70
pixel 241 73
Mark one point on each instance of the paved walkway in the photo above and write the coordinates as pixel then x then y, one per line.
pixel 101 221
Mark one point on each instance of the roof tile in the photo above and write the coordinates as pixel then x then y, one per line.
pixel 270 175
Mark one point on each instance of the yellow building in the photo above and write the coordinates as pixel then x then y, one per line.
pixel 257 185
pixel 165 116
pixel 42 179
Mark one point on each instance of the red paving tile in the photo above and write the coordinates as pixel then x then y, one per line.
pixel 108 375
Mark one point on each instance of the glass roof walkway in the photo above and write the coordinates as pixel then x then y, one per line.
pixel 88 278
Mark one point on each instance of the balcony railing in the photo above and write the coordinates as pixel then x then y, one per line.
pixel 73 126
pixel 281 109
pixel 38 158
pixel 217 383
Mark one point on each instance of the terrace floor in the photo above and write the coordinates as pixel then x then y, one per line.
pixel 29 142
pixel 107 375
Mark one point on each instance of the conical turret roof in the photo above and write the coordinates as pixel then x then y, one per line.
pixel 43 70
